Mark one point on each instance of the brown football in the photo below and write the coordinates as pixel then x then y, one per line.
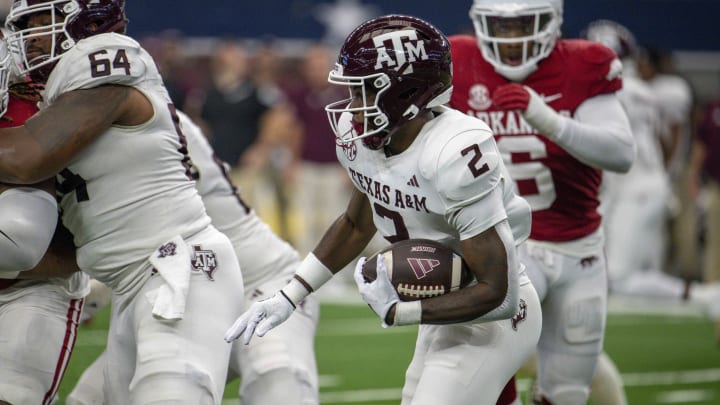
pixel 420 268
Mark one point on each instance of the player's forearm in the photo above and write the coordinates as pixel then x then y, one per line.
pixel 342 243
pixel 492 258
pixel 20 157
pixel 599 136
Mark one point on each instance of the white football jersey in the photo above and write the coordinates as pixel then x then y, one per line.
pixel 262 255
pixel 643 111
pixel 453 165
pixel 131 189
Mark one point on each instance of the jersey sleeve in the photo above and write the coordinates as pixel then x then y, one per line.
pixel 467 175
pixel 106 59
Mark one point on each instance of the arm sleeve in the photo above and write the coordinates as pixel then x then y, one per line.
pixel 26 227
pixel 599 135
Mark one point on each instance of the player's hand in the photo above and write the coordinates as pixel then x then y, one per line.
pixel 260 318
pixel 534 110
pixel 379 294
pixel 511 96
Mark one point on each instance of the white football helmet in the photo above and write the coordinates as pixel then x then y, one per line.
pixel 539 20
pixel 613 35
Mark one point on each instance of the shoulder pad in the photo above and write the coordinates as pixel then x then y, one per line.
pixel 464 166
pixel 98 60
pixel 594 64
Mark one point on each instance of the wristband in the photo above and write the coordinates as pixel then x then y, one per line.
pixel 407 313
pixel 542 117
pixel 310 275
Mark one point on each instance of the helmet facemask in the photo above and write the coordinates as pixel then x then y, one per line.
pixel 527 35
pixel 368 89
pixel 7 63
pixel 22 35
pixel 67 22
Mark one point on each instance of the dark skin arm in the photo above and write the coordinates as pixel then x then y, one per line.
pixel 48 141
pixel 486 257
pixel 348 235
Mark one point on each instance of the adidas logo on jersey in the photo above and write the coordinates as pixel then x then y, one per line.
pixel 413 182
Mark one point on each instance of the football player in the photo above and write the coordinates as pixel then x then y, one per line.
pixel 558 123
pixel 422 170
pixel 108 130
pixel 285 358
pixel 636 204
pixel 40 289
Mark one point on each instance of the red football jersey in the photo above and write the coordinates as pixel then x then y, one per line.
pixel 19 110
pixel 562 191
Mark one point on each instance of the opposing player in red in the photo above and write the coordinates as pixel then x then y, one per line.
pixel 40 291
pixel 552 107
pixel 422 170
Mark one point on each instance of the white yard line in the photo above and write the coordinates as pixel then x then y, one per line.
pixel 630 379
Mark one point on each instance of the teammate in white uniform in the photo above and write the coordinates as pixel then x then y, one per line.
pixel 39 303
pixel 286 358
pixel 636 204
pixel 422 171
pixel 108 127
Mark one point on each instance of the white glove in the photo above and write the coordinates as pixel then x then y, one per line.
pixel 380 293
pixel 260 318
pixel 541 116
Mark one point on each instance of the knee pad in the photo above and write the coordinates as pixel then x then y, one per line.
pixel 189 385
pixel 567 395
pixel 85 394
pixel 297 389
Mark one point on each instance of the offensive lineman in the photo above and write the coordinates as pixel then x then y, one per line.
pixel 422 170
pixel 108 127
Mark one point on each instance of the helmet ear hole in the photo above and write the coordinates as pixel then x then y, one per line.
pixel 381 81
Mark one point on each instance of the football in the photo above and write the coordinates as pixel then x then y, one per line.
pixel 420 268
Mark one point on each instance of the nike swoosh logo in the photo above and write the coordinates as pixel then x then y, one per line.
pixel 551 98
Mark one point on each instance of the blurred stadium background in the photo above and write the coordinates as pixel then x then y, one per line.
pixel 685 28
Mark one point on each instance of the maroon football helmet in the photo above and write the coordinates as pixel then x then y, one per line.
pixel 399 65
pixel 72 20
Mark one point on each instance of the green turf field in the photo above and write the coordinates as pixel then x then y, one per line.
pixel 663 359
